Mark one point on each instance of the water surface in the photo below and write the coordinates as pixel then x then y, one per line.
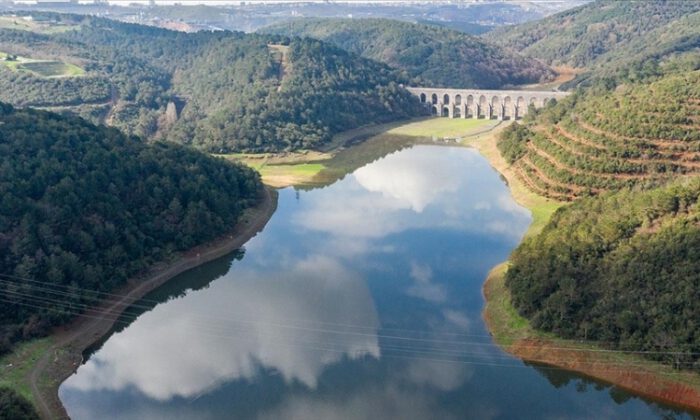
pixel 359 300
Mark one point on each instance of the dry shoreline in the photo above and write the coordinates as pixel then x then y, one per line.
pixel 653 381
pixel 64 355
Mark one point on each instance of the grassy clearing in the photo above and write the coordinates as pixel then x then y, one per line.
pixel 41 68
pixel 285 175
pixel 52 68
pixel 281 170
pixel 21 24
pixel 15 366
pixel 316 168
pixel 442 127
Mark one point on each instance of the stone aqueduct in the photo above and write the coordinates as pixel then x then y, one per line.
pixel 488 104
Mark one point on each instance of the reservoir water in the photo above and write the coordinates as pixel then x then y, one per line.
pixel 359 300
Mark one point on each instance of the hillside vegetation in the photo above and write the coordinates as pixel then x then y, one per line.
pixel 580 36
pixel 617 41
pixel 248 106
pixel 602 140
pixel 221 91
pixel 622 270
pixel 427 54
pixel 14 407
pixel 619 266
pixel 84 207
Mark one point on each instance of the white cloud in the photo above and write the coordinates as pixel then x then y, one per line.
pixel 423 287
pixel 457 318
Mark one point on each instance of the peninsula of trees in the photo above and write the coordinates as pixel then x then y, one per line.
pixel 84 207
pixel 619 266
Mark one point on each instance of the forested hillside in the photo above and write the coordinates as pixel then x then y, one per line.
pixel 622 269
pixel 427 54
pixel 601 140
pixel 84 207
pixel 580 36
pixel 619 266
pixel 312 91
pixel 619 40
pixel 222 91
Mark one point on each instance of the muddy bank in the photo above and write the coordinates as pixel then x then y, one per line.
pixel 648 379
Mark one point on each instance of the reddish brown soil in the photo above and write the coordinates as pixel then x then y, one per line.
pixel 632 378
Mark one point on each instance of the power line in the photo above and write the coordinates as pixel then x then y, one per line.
pixel 115 315
pixel 414 354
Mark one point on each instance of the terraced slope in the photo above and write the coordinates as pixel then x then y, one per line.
pixel 607 140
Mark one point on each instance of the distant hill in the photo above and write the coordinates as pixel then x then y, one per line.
pixel 466 27
pixel 427 54
pixel 85 207
pixel 605 33
pixel 221 91
pixel 670 48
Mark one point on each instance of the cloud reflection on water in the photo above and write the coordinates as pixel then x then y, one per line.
pixel 295 290
pixel 285 320
pixel 419 188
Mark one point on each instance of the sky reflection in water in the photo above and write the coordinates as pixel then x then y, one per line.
pixel 359 300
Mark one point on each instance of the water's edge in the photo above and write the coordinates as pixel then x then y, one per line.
pixel 647 384
pixel 71 341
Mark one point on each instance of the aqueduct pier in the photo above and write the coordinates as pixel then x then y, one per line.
pixel 488 104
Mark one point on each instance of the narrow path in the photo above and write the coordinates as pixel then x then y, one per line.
pixel 565 167
pixel 571 188
pixel 64 356
pixel 564 132
pixel 664 160
pixel 113 101
pixel 663 143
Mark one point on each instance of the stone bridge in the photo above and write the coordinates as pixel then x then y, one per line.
pixel 488 104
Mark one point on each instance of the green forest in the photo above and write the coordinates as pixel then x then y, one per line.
pixel 84 207
pixel 322 90
pixel 619 265
pixel 14 407
pixel 613 42
pixel 593 32
pixel 219 91
pixel 428 55
pixel 621 269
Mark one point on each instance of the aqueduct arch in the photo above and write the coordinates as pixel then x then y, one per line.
pixel 508 108
pixel 484 109
pixel 488 104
